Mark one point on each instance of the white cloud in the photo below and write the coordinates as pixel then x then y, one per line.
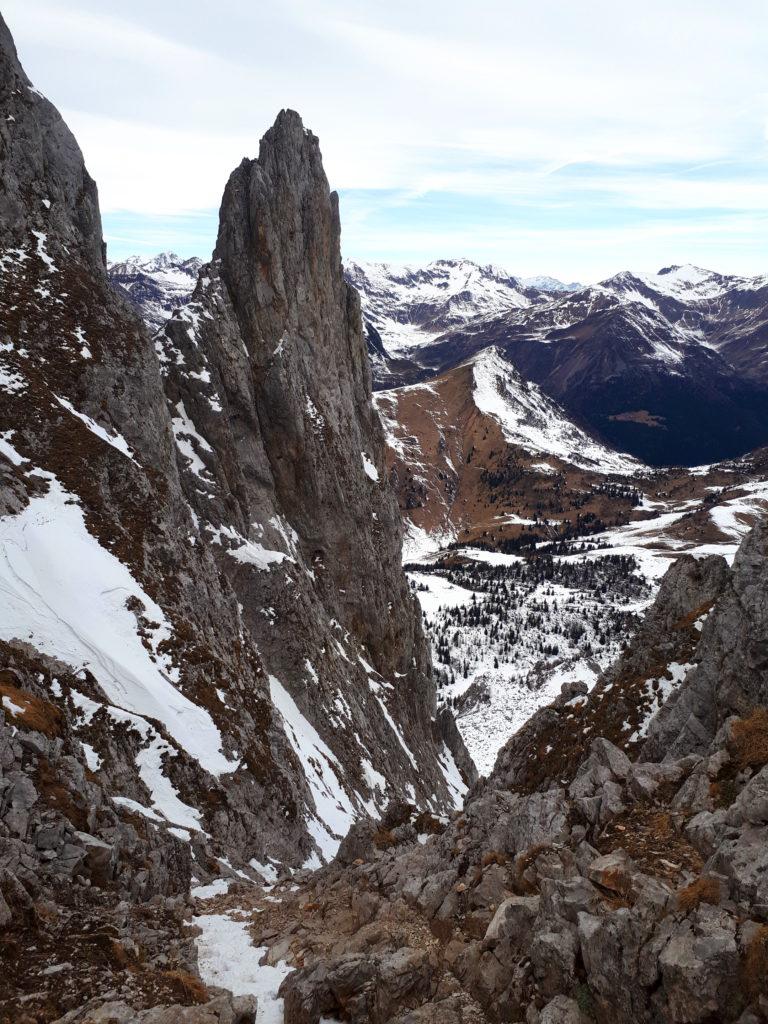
pixel 490 99
pixel 154 169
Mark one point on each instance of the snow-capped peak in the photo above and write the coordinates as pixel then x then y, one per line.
pixel 408 305
pixel 162 261
pixel 156 284
pixel 685 283
pixel 534 422
pixel 544 283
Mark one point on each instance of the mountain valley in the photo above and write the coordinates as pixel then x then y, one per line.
pixel 669 366
pixel 533 546
pixel 377 645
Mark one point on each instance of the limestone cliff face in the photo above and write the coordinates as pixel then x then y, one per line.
pixel 278 256
pixel 269 384
pixel 45 185
pixel 218 571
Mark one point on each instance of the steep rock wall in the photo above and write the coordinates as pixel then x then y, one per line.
pixel 107 560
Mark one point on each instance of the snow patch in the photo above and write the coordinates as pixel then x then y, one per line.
pixel 335 812
pixel 115 440
pixel 11 382
pixel 228 959
pixel 42 238
pixel 216 888
pixel 370 470
pixel 65 594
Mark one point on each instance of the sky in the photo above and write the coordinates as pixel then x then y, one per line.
pixel 545 136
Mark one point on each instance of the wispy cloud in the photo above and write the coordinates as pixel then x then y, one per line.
pixel 520 131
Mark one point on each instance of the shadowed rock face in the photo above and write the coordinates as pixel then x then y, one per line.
pixel 231 492
pixel 269 365
pixel 83 374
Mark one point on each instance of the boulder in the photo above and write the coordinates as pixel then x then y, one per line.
pixel 514 920
pixel 553 956
pixel 752 802
pixel 566 899
pixel 699 969
pixel 613 871
pixel 609 755
pixel 562 1010
pixel 357 844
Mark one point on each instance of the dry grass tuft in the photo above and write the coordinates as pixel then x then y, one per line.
pixel 186 987
pixel 723 792
pixel 494 857
pixel 383 839
pixel 755 964
pixel 653 841
pixel 702 890
pixel 34 713
pixel 750 738
pixel 524 885
pixel 54 795
pixel 442 929
pixel 616 881
pixel 426 822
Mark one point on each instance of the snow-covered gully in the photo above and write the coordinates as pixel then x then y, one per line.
pixel 227 955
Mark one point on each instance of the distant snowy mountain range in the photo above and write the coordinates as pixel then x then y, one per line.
pixel 671 366
pixel 156 284
pixel 408 306
pixel 442 294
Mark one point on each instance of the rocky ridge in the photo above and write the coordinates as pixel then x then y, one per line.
pixel 195 677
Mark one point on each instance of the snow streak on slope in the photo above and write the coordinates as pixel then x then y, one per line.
pixel 335 812
pixel 533 421
pixel 734 516
pixel 64 593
